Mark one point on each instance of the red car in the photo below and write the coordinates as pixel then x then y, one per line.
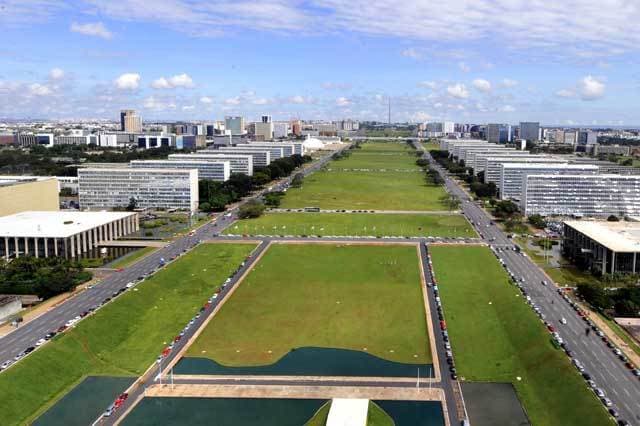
pixel 443 325
pixel 119 270
pixel 177 338
pixel 206 305
pixel 551 328
pixel 166 352
pixel 123 396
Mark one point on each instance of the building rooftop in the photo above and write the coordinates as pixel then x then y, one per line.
pixel 549 166
pixel 59 224
pixel 616 236
pixel 15 180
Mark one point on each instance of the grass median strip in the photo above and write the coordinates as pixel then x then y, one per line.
pixel 122 338
pixel 355 224
pixel 364 298
pixel 496 337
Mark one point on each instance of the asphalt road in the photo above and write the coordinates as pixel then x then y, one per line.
pixel 609 373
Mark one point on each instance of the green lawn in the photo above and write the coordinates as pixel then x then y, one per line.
pixel 132 258
pixel 431 146
pixel 322 295
pixel 121 339
pixel 379 155
pixel 364 224
pixel 366 190
pixel 496 337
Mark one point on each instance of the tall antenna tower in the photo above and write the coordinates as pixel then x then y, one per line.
pixel 389 110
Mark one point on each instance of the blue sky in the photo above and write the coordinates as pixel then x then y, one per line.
pixel 468 61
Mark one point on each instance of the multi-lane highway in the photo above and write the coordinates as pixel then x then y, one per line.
pixel 599 361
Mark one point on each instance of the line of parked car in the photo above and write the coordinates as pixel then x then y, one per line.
pixel 433 284
pixel 561 343
pixel 167 350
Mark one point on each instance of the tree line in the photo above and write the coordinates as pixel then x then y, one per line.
pixel 45 277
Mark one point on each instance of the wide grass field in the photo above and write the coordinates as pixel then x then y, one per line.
pixel 121 339
pixel 371 190
pixel 496 337
pixel 355 224
pixel 366 190
pixel 322 295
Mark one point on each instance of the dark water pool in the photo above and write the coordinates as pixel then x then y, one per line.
pixel 414 413
pixel 223 412
pixel 312 361
pixel 84 403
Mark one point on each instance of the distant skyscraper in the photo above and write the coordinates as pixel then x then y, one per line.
pixel 130 121
pixel 530 131
pixel 587 137
pixel 498 133
pixel 234 125
pixel 266 119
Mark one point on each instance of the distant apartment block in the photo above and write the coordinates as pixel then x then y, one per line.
pixel 261 156
pixel 130 121
pixel 107 188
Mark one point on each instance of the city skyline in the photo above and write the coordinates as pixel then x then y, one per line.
pixel 481 61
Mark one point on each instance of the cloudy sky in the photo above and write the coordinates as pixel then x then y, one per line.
pixel 566 62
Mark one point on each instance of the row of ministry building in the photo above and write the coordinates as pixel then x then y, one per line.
pixel 551 185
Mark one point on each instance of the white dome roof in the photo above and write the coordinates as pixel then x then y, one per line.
pixel 313 143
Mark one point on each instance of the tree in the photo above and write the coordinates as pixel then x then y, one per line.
pixel 261 178
pixel 505 209
pixel 133 204
pixel 251 210
pixel 297 180
pixel 273 199
pixel 422 162
pixel 613 218
pixel 628 162
pixel 450 201
pixel 205 207
pixel 537 221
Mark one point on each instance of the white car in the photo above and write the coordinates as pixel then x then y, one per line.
pixel 40 342
pixel 563 320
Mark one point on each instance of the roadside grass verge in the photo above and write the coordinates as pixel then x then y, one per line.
pixel 122 338
pixel 496 337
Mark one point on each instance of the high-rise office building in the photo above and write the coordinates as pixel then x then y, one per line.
pixel 234 125
pixel 130 121
pixel 498 133
pixel 529 131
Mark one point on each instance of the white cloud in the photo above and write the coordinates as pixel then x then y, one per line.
pixel 458 91
pixel 298 99
pixel 507 108
pixel 179 80
pixel 565 93
pixel 428 84
pixel 127 81
pixel 38 89
pixel 591 88
pixel 260 101
pixel 482 85
pixel 206 100
pixel 56 74
pixel 343 102
pixel 464 67
pixel 411 53
pixel 157 104
pixel 94 29
pixel 507 82
pixel 188 108
pixel 233 101
pixel 420 116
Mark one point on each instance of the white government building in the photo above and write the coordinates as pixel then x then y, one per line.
pixel 240 163
pixel 512 175
pixel 107 188
pixel 581 195
pixel 66 234
pixel 217 170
